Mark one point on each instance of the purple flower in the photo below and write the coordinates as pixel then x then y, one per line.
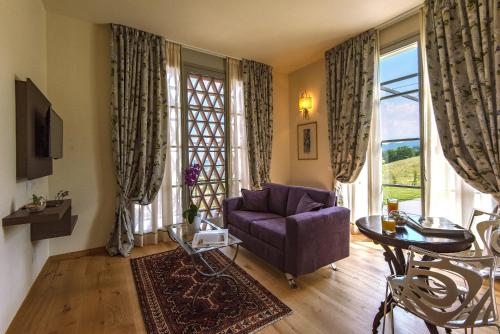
pixel 191 174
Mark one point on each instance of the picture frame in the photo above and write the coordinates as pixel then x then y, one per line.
pixel 307 141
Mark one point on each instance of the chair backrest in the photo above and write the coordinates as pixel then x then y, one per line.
pixel 486 228
pixel 449 290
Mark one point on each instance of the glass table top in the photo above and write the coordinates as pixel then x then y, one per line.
pixel 184 233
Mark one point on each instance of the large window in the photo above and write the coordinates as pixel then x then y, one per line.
pixel 206 142
pixel 400 127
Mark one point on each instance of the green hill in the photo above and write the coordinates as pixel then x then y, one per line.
pixel 407 172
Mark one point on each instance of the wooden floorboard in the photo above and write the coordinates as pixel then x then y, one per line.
pixel 95 293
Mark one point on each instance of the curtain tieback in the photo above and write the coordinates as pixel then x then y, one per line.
pixel 123 199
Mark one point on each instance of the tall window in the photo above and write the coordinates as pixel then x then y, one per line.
pixel 206 138
pixel 400 127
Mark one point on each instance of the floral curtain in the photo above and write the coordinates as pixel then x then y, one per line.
pixel 139 125
pixel 258 92
pixel 350 73
pixel 463 59
pixel 238 166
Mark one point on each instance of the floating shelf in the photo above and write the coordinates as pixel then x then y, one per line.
pixel 54 221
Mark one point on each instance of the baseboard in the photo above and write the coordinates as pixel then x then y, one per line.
pixel 77 254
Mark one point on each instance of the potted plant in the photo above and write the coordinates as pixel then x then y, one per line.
pixel 191 175
pixel 38 204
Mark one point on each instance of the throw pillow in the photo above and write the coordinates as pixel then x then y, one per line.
pixel 307 204
pixel 255 200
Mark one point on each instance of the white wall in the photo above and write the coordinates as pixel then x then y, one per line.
pixel 79 85
pixel 23 54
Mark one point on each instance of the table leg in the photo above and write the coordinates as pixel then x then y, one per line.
pixel 213 274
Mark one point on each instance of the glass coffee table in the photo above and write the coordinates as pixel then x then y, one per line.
pixel 183 234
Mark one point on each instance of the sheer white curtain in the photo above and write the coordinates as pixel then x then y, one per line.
pixel 150 220
pixel 446 193
pixel 238 166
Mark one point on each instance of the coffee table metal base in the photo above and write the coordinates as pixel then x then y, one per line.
pixel 213 274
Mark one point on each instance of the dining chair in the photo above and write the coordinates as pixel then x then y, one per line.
pixel 486 228
pixel 445 290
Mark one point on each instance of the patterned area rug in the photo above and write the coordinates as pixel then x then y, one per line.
pixel 166 284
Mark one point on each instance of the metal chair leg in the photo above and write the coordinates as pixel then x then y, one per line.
pixel 392 318
pixel 385 307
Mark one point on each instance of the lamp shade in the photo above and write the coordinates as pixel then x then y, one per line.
pixel 305 102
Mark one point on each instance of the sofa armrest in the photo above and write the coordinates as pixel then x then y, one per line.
pixel 315 239
pixel 228 205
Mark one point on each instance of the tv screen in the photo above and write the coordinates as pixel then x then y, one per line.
pixel 56 135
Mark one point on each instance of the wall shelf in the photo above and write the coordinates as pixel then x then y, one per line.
pixel 54 221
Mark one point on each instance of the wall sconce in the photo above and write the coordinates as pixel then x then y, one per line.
pixel 305 104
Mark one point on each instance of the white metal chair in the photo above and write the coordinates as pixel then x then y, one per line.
pixel 445 290
pixel 486 228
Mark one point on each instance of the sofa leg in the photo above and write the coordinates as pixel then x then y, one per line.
pixel 291 281
pixel 334 266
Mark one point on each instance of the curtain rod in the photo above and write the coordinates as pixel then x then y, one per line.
pixel 195 48
pixel 399 18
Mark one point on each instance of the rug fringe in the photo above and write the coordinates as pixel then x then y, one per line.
pixel 271 323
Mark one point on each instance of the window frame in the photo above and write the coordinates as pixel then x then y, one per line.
pixel 399 44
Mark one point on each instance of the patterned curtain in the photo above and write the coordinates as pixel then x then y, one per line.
pixel 258 91
pixel 350 72
pixel 139 125
pixel 463 57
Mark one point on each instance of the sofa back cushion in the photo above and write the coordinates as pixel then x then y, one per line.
pixel 278 197
pixel 295 194
pixel 307 204
pixel 255 200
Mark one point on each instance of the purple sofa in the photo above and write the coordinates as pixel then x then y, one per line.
pixel 296 244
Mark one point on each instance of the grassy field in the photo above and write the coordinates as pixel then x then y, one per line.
pixel 405 172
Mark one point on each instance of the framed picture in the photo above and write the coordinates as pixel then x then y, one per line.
pixel 307 141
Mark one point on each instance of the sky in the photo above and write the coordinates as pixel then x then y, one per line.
pixel 399 116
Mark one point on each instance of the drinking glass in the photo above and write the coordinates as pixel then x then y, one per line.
pixel 392 205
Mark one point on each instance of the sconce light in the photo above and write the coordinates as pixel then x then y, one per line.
pixel 305 104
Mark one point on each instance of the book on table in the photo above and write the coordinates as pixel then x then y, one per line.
pixel 211 238
pixel 434 225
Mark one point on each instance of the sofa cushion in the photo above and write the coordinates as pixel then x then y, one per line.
pixel 325 197
pixel 278 196
pixel 255 200
pixel 271 231
pixel 307 204
pixel 242 219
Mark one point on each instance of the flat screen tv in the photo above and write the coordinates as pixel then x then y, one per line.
pixel 55 135
pixel 48 134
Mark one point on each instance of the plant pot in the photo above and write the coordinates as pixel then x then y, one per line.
pixel 33 208
pixel 195 225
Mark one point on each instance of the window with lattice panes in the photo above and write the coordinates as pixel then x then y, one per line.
pixel 206 142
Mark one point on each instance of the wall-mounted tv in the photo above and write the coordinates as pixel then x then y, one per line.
pixel 39 132
pixel 48 134
pixel 55 135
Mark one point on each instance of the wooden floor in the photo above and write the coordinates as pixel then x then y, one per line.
pixel 96 294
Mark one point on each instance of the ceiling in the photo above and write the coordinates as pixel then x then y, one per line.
pixel 286 34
